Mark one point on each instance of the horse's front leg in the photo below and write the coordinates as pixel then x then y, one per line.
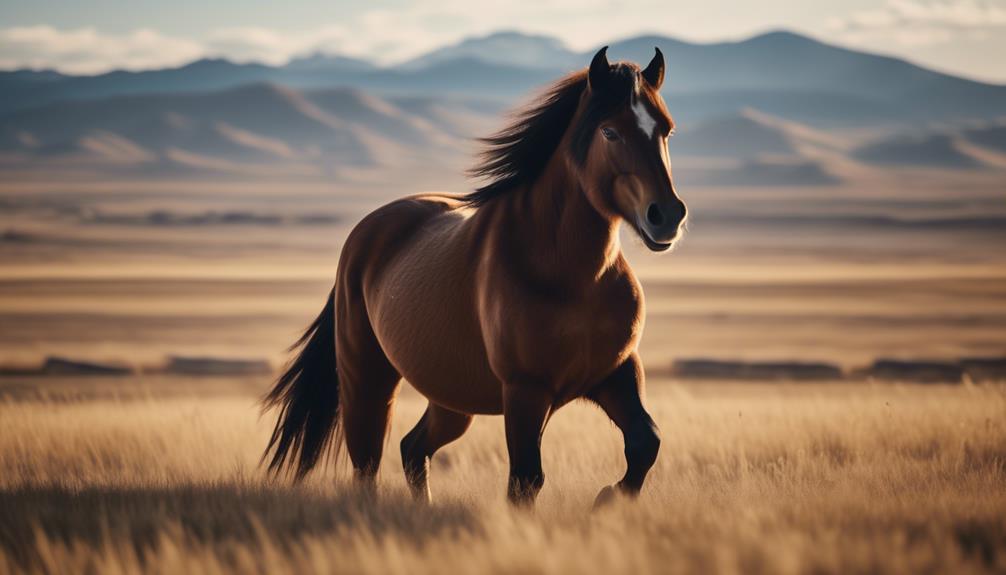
pixel 525 410
pixel 620 396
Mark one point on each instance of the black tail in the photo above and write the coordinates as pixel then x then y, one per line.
pixel 308 397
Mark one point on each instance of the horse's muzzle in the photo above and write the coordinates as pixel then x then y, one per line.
pixel 660 224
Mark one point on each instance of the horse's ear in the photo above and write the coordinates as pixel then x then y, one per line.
pixel 654 72
pixel 597 77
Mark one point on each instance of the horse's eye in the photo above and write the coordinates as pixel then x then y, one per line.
pixel 609 134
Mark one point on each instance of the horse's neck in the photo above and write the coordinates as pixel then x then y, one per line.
pixel 563 237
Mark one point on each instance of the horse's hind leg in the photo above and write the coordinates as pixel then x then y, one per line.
pixel 438 427
pixel 368 386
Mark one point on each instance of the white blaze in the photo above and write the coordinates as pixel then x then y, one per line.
pixel 644 118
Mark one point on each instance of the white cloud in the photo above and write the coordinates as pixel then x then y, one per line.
pixel 249 43
pixel 936 29
pixel 919 23
pixel 85 50
pixel 380 34
pixel 272 47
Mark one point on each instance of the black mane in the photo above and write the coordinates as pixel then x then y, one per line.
pixel 518 154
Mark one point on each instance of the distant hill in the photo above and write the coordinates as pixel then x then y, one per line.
pixel 750 148
pixel 780 171
pixel 266 129
pixel 933 150
pixel 796 77
pixel 974 146
pixel 454 116
pixel 321 62
pixel 775 109
pixel 512 49
pixel 747 134
pixel 780 73
pixel 991 135
pixel 229 130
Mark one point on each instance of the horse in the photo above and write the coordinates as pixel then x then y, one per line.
pixel 512 299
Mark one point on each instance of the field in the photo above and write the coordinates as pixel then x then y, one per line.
pixel 162 476
pixel 159 473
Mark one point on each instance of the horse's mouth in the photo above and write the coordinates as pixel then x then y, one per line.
pixel 652 244
pixel 655 246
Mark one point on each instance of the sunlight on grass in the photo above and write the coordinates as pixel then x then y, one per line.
pixel 751 478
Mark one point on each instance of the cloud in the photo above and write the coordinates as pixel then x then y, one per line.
pixel 917 23
pixel 380 34
pixel 905 27
pixel 273 47
pixel 85 50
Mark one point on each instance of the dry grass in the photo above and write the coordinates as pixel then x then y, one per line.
pixel 836 478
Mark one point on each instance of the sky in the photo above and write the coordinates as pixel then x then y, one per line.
pixel 963 37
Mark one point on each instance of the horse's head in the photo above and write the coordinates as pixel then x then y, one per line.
pixel 620 144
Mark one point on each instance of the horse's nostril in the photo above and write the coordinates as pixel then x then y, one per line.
pixel 654 215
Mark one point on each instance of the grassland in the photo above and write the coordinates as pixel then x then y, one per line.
pixel 161 476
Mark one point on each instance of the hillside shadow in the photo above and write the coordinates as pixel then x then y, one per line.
pixel 95 516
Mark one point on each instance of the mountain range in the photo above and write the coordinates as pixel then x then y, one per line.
pixel 778 104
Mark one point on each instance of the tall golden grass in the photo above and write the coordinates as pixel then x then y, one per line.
pixel 838 478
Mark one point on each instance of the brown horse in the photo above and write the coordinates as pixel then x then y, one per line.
pixel 514 299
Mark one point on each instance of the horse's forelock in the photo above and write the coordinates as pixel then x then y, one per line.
pixel 624 80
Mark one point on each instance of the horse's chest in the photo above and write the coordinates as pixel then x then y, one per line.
pixel 572 345
pixel 590 344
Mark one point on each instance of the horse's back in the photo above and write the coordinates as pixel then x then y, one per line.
pixel 382 233
pixel 412 262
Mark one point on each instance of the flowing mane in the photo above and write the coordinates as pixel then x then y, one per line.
pixel 518 154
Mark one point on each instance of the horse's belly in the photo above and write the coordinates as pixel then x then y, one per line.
pixel 422 311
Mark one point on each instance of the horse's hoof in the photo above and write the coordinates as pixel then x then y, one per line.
pixel 605 497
